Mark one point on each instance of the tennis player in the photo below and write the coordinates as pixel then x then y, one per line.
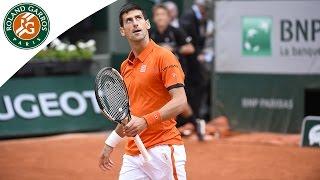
pixel 155 83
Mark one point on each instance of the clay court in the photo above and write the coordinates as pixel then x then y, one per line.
pixel 241 156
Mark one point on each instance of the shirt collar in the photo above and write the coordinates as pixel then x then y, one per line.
pixel 197 12
pixel 144 54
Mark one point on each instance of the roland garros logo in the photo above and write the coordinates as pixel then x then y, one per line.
pixel 26 26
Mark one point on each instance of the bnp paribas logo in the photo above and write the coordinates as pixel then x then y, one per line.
pixel 26 25
pixel 256 36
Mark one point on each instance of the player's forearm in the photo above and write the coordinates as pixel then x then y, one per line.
pixel 173 108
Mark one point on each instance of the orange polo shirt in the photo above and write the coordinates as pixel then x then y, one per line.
pixel 148 78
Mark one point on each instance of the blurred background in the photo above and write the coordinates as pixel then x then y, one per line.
pixel 53 93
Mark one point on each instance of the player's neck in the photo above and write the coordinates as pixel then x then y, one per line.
pixel 139 46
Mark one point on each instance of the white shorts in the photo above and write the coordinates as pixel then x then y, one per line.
pixel 168 163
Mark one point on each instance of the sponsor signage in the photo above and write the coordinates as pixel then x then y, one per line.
pixel 49 105
pixel 273 37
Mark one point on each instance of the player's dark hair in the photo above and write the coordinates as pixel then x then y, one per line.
pixel 129 7
pixel 159 6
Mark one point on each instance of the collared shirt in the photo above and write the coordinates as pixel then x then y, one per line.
pixel 175 37
pixel 175 23
pixel 197 12
pixel 148 78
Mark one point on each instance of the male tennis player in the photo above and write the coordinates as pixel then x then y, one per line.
pixel 155 83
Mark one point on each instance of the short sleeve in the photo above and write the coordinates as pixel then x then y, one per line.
pixel 172 75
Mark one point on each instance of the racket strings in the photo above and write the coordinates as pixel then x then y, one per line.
pixel 113 95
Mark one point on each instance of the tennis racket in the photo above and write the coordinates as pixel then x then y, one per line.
pixel 112 97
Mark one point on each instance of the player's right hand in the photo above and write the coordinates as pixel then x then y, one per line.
pixel 105 162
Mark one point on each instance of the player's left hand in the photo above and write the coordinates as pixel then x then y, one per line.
pixel 105 162
pixel 135 126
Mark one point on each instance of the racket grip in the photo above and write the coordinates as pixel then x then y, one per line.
pixel 142 148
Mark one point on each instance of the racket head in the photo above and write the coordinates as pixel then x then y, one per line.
pixel 111 94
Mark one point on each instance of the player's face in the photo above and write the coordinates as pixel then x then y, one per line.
pixel 161 17
pixel 135 26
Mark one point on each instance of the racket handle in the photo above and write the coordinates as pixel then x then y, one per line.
pixel 142 149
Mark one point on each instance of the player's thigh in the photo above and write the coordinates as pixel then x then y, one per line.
pixel 130 169
pixel 159 168
pixel 168 163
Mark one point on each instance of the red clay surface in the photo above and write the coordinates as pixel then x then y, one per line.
pixel 244 156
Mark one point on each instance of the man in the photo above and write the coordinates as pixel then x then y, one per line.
pixel 175 40
pixel 193 22
pixel 155 83
pixel 173 12
pixel 206 57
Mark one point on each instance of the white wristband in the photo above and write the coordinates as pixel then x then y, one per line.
pixel 113 139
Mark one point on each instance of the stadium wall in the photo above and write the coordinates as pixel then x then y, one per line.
pixel 267 58
pixel 49 105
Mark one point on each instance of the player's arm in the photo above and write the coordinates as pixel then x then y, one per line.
pixel 114 138
pixel 172 77
pixel 176 105
pixel 171 109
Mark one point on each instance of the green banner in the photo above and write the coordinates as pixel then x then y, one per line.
pixel 49 105
pixel 255 102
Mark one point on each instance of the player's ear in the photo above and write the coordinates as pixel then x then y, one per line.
pixel 122 31
pixel 148 24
